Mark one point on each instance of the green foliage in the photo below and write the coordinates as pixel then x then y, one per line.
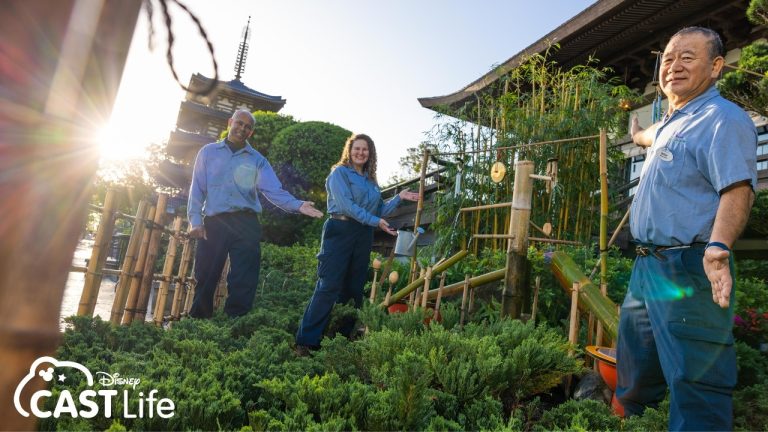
pixel 653 419
pixel 268 125
pixel 750 90
pixel 757 12
pixel 302 156
pixel 582 415
pixel 752 365
pixel 758 217
pixel 750 408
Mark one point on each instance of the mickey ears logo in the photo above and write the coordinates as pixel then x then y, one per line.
pixel 40 368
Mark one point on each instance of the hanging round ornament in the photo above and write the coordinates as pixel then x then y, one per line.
pixel 498 170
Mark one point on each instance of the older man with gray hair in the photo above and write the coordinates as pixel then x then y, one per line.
pixel 223 213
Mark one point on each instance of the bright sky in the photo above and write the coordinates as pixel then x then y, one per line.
pixel 357 64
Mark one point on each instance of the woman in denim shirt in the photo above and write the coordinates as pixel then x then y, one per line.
pixel 355 208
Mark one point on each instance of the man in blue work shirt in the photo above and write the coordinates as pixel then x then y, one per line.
pixel 223 214
pixel 691 205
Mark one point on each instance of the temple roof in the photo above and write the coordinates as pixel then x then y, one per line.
pixel 622 34
pixel 199 81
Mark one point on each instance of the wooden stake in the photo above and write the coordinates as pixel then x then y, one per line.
pixel 535 305
pixel 599 332
pixel 425 291
pixel 221 288
pixel 98 255
pixel 573 329
pixel 181 279
pixel 464 299
pixel 170 259
pixel 419 209
pixel 373 286
pixel 129 263
pixel 138 269
pixel 439 293
pixel 154 245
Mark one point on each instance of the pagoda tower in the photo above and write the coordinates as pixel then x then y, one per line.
pixel 202 119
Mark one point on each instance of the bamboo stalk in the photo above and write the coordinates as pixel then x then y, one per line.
pixel 438 268
pixel 535 305
pixel 439 293
pixel 129 262
pixel 484 207
pixel 154 245
pixel 138 269
pixel 170 259
pixel 456 288
pixel 221 287
pixel 181 279
pixel 98 255
pixel 567 272
pixel 603 206
pixel 464 299
pixel 190 297
pixel 599 331
pixel 427 281
pixel 419 207
pixel 573 328
pixel 373 285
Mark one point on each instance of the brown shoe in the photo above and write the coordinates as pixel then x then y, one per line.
pixel 302 351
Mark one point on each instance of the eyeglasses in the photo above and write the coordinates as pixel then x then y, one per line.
pixel 243 124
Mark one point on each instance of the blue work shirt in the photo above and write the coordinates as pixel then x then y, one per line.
pixel 699 150
pixel 225 182
pixel 354 195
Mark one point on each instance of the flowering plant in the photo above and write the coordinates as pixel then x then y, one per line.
pixel 751 327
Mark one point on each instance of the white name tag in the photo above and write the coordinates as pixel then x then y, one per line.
pixel 665 154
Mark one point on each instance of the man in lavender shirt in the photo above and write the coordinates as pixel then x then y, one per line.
pixel 223 213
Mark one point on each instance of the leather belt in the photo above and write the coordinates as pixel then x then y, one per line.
pixel 340 217
pixel 645 250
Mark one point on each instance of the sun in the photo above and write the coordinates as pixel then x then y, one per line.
pixel 117 143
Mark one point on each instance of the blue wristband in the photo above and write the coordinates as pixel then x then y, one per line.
pixel 717 244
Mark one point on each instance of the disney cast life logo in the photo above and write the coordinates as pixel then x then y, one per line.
pixel 87 403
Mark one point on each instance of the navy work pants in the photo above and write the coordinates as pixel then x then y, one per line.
pixel 238 235
pixel 672 334
pixel 342 269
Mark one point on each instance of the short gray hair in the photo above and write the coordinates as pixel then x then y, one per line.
pixel 243 110
pixel 716 48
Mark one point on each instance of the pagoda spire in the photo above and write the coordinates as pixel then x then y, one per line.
pixel 242 51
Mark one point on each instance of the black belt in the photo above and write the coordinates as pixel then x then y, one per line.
pixel 340 217
pixel 645 249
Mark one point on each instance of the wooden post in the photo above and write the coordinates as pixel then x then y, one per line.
pixel 61 68
pixel 471 302
pixel 170 258
pixel 149 265
pixel 419 209
pixel 376 266
pixel 181 279
pixel 138 269
pixel 439 293
pixel 221 287
pixel 573 329
pixel 129 262
pixel 464 299
pixel 190 296
pixel 603 206
pixel 98 255
pixel 425 291
pixel 599 332
pixel 517 248
pixel 535 305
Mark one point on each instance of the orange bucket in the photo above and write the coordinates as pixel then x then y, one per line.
pixel 606 366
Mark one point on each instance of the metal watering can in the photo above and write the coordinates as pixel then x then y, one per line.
pixel 406 241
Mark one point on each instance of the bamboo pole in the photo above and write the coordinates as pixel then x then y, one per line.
pixel 567 272
pixel 613 239
pixel 485 207
pixel 517 247
pixel 154 246
pixel 129 262
pixel 464 299
pixel 427 281
pixel 603 206
pixel 138 269
pixel 170 259
pixel 221 287
pixel 599 331
pixel 438 268
pixel 535 305
pixel 456 288
pixel 573 328
pixel 181 279
pixel 190 296
pixel 98 255
pixel 419 208
pixel 439 293
pixel 376 266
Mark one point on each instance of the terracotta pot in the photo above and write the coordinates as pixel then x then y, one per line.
pixel 397 308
